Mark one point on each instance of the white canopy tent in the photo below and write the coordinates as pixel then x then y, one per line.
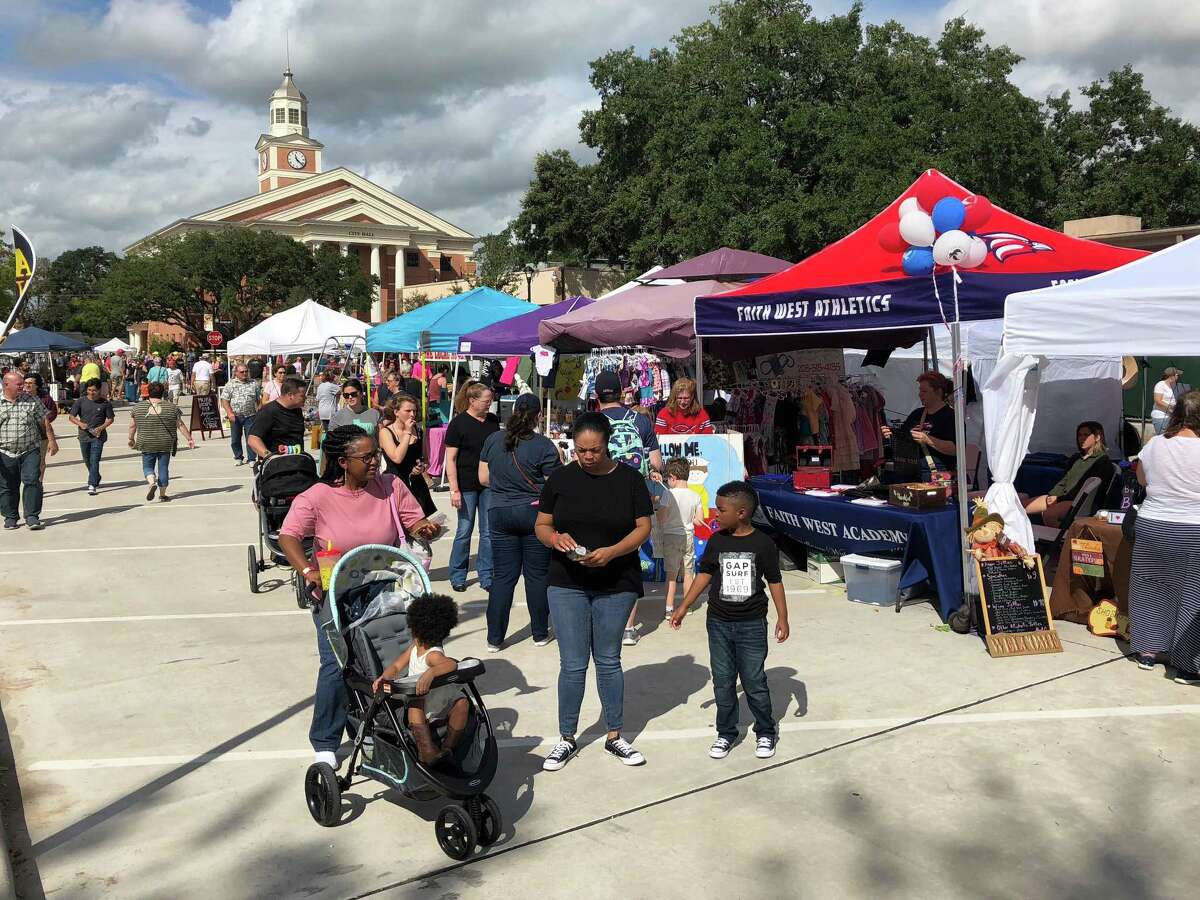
pixel 1145 308
pixel 113 346
pixel 302 329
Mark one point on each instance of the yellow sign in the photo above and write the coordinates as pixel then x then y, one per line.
pixel 24 271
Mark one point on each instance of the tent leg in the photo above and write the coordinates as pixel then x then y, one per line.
pixel 933 354
pixel 453 395
pixel 960 454
pixel 700 371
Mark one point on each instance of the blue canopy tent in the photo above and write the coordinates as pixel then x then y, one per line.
pixel 437 327
pixel 38 340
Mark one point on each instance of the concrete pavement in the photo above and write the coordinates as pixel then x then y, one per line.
pixel 158 713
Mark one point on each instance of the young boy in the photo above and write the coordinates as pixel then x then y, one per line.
pixel 736 561
pixel 677 515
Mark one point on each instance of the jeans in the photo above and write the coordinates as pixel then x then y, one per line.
pixel 91 450
pixel 739 649
pixel 20 476
pixel 329 701
pixel 516 550
pixel 475 504
pixel 239 434
pixel 589 623
pixel 163 462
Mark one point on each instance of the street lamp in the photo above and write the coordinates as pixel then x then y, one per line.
pixel 529 273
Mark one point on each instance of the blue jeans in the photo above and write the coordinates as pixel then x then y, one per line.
pixel 239 434
pixel 21 477
pixel 589 624
pixel 329 702
pixel 475 504
pixel 517 550
pixel 739 650
pixel 91 450
pixel 161 461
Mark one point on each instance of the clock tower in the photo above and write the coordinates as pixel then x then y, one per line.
pixel 286 154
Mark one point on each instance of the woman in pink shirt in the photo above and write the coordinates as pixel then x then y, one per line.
pixel 352 505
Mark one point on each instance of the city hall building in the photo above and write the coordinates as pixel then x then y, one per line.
pixel 402 244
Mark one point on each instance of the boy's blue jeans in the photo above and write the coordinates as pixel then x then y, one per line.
pixel 739 650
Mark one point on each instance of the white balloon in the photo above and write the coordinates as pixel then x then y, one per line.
pixel 911 204
pixel 977 254
pixel 917 228
pixel 952 248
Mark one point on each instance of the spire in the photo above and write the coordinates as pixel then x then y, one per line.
pixel 288 107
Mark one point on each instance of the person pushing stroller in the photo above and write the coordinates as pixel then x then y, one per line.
pixel 431 617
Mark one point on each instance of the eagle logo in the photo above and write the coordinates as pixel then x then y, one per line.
pixel 1004 244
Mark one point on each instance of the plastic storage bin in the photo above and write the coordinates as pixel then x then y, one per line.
pixel 871 579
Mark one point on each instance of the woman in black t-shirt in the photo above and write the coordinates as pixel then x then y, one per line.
pixel 931 424
pixel 464 442
pixel 593 514
pixel 400 441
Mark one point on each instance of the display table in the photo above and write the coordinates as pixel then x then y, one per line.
pixel 1073 596
pixel 435 449
pixel 1036 477
pixel 929 540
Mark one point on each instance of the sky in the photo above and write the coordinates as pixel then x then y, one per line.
pixel 120 116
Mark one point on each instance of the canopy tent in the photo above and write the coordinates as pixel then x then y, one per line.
pixel 516 336
pixel 113 346
pixel 657 317
pixel 38 340
pixel 724 264
pixel 305 328
pixel 855 287
pixel 438 326
pixel 1143 309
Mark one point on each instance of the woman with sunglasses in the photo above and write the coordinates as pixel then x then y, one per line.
pixel 354 409
pixel 401 443
pixel 351 506
pixel 272 388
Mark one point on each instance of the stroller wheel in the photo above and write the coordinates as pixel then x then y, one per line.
pixel 487 820
pixel 456 833
pixel 301 587
pixel 322 794
pixel 252 567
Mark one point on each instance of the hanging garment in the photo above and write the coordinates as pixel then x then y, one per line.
pixel 845 442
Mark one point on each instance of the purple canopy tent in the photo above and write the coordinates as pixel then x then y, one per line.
pixel 724 264
pixel 657 317
pixel 515 337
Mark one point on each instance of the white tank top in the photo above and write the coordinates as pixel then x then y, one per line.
pixel 416 661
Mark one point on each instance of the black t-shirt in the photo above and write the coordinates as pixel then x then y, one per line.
pixel 468 434
pixel 519 486
pixel 597 511
pixel 738 566
pixel 939 425
pixel 93 414
pixel 278 427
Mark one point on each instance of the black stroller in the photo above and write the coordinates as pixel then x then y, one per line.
pixel 364 621
pixel 278 480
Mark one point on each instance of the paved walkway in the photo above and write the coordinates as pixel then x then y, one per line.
pixel 158 715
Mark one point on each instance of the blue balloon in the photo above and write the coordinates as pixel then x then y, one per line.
pixel 948 214
pixel 917 261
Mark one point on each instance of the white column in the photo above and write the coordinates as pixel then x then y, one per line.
pixel 400 277
pixel 376 272
pixel 435 261
pixel 345 248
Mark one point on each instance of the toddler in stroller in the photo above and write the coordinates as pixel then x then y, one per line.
pixel 430 620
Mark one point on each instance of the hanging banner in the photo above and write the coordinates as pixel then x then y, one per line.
pixel 26 264
pixel 806 365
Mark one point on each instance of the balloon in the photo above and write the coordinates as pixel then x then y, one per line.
pixel 909 204
pixel 978 211
pixel 929 191
pixel 952 248
pixel 977 254
pixel 890 240
pixel 948 214
pixel 917 261
pixel 917 228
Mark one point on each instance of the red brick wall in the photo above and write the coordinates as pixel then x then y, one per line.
pixel 267 209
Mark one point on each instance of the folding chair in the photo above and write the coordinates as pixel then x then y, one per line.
pixel 1084 505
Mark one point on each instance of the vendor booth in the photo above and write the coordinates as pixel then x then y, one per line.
pixel 440 325
pixel 937 255
pixel 113 346
pixel 303 329
pixel 38 341
pixel 519 335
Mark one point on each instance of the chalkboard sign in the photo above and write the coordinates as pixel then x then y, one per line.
pixel 1016 616
pixel 206 415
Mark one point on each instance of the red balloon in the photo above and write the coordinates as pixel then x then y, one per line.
pixel 979 210
pixel 890 240
pixel 928 193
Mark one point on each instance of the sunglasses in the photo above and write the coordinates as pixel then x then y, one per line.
pixel 349 395
pixel 368 458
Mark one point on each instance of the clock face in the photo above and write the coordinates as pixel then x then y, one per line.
pixel 297 159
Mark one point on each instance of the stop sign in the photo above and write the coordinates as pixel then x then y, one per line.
pixel 215 339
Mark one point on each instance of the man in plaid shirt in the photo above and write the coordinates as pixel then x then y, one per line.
pixel 23 427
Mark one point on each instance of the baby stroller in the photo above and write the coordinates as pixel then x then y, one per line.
pixel 364 620
pixel 278 480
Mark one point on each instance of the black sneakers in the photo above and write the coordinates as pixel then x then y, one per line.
pixel 623 750
pixel 560 754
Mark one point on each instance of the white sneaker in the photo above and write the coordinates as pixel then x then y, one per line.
pixel 720 748
pixel 327 756
pixel 493 648
pixel 631 637
pixel 764 748
pixel 542 643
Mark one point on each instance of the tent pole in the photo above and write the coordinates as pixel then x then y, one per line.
pixel 960 451
pixel 453 395
pixel 933 354
pixel 700 370
pixel 1145 366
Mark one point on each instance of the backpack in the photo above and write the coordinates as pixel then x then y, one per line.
pixel 626 445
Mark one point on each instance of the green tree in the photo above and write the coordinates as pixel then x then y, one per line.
pixel 236 274
pixel 62 284
pixel 499 258
pixel 1124 153
pixel 8 281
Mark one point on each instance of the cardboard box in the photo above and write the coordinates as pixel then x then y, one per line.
pixel 823 569
pixel 917 495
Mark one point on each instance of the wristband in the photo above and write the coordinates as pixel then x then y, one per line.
pixel 304 572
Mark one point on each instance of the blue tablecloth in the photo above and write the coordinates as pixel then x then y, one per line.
pixel 1036 478
pixel 927 539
